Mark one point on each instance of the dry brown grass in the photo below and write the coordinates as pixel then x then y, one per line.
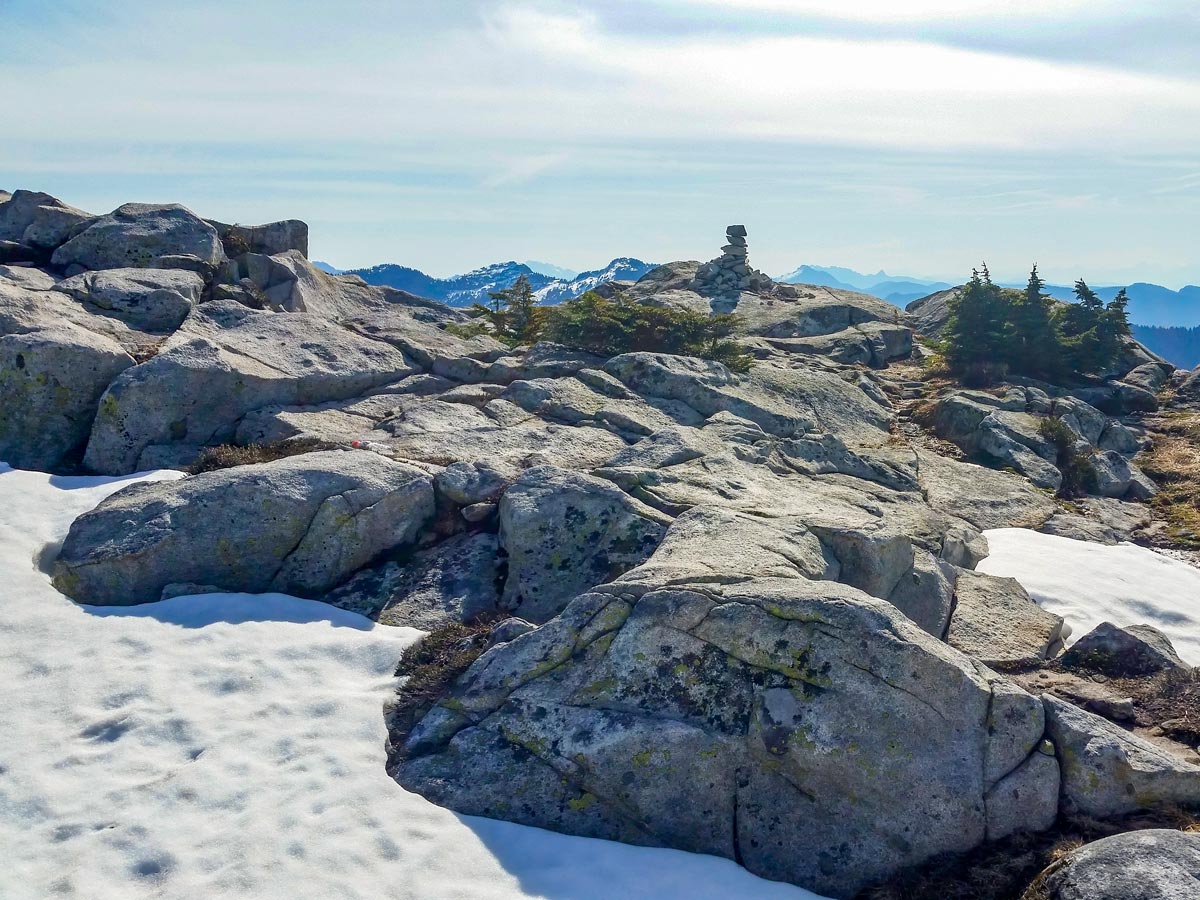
pixel 1011 869
pixel 226 456
pixel 432 665
pixel 1173 461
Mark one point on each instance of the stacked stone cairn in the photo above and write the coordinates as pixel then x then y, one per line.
pixel 730 273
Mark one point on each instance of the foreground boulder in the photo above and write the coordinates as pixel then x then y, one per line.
pixel 1108 772
pixel 1158 864
pixel 299 525
pixel 771 722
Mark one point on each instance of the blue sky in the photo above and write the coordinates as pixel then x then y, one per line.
pixel 918 137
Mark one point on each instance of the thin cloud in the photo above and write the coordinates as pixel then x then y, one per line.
pixel 523 170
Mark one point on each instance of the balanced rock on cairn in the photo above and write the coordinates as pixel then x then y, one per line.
pixel 730 273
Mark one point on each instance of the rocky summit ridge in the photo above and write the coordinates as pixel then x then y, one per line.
pixel 734 613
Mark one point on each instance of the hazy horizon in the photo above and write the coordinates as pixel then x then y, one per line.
pixel 918 138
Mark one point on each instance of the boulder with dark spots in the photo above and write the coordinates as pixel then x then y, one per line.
pixel 769 721
pixel 564 532
pixel 456 580
pixel 299 525
pixel 1122 652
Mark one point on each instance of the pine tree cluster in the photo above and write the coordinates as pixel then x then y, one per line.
pixel 992 330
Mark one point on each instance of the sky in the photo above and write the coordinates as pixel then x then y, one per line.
pixel 917 137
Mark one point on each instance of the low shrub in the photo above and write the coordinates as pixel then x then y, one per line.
pixel 226 456
pixel 609 327
pixel 1079 476
pixel 1173 461
pixel 431 666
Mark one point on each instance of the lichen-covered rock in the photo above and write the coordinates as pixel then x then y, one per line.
pixel 1108 772
pixel 299 525
pixel 770 721
pixel 136 235
pixel 38 220
pixel 1156 864
pixel 51 380
pixel 564 532
pixel 1132 650
pixel 456 580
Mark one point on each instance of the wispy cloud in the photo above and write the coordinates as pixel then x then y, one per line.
pixel 522 170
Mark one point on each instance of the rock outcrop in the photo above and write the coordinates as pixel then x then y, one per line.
pixel 735 611
pixel 299 525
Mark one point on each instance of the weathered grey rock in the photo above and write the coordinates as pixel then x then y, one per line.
pixel 997 623
pixel 1027 798
pixel 136 234
pixel 728 720
pixel 27 277
pixel 984 497
pixel 1108 772
pixel 964 547
pixel 51 380
pixel 288 282
pixel 224 362
pixel 565 532
pixel 1100 520
pixel 155 300
pixel 1150 376
pixel 470 483
pixel 930 314
pixel 1132 650
pixel 298 525
pixel 926 593
pixel 783 402
pixel 456 580
pixel 508 630
pixel 1114 473
pixel 269 239
pixel 721 546
pixel 978 424
pixel 1157 864
pixel 38 220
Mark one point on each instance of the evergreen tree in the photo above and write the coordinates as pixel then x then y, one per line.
pixel 513 313
pixel 1036 347
pixel 1091 333
pixel 977 331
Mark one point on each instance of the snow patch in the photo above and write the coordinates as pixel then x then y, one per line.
pixel 1089 583
pixel 232 745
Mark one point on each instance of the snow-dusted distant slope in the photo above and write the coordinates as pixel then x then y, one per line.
pixel 326 267
pixel 545 268
pixel 458 290
pixel 622 269
pixel 474 287
pixel 232 745
pixel 1088 583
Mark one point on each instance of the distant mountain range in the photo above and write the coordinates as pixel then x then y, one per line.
pixel 1149 304
pixel 475 286
pixel 898 289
